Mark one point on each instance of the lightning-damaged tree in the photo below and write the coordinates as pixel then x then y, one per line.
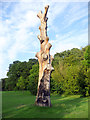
pixel 45 59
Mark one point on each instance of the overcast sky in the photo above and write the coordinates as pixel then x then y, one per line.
pixel 67 29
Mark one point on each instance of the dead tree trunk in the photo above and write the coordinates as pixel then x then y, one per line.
pixel 45 59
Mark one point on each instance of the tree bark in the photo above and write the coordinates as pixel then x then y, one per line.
pixel 45 59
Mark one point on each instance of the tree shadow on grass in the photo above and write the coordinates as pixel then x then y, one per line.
pixel 60 107
pixel 63 107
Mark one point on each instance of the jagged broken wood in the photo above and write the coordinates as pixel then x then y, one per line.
pixel 45 59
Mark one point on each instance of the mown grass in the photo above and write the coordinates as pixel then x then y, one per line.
pixel 18 104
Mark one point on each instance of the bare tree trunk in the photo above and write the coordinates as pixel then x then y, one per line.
pixel 45 59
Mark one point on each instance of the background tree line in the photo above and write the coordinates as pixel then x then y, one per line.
pixel 71 73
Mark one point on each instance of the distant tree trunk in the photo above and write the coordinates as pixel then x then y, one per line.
pixel 45 59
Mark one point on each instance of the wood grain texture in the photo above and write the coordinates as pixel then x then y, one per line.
pixel 45 59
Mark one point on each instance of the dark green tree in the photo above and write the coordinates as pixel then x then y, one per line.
pixel 33 79
pixel 18 70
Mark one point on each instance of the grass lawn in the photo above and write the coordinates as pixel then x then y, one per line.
pixel 18 104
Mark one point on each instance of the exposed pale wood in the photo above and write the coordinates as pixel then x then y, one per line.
pixel 45 59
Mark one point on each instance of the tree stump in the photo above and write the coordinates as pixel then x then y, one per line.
pixel 45 59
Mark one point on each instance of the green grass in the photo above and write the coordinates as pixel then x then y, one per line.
pixel 18 104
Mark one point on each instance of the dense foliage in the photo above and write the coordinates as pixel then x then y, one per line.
pixel 70 76
pixel 72 72
pixel 18 75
